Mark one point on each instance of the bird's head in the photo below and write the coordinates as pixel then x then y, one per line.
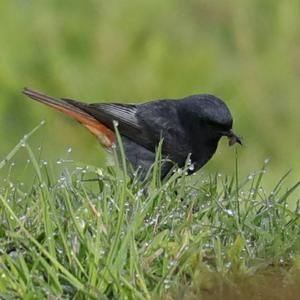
pixel 213 114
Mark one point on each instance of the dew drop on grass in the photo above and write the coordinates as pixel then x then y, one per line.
pixel 167 283
pixel 59 250
pixel 140 193
pixel 59 161
pixel 250 177
pixel 99 172
pixel 172 263
pixel 23 218
pixel 69 150
pixel 43 122
pixel 208 245
pixel 189 161
pixel 192 167
pixel 82 224
pixel 230 212
pixel 42 185
pixel 62 178
pixel 24 140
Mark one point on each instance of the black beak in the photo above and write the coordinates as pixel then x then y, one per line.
pixel 233 138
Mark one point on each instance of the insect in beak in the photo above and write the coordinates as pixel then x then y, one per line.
pixel 232 137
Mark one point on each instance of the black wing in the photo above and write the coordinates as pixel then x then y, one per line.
pixel 145 124
pixel 106 113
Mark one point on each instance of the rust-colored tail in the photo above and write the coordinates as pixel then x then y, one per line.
pixel 104 134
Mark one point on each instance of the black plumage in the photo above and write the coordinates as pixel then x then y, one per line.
pixel 191 126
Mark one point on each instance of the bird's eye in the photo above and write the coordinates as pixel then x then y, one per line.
pixel 220 126
pixel 213 123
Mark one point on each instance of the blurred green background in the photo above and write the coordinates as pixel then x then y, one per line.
pixel 246 52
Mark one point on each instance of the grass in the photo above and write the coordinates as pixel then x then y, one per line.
pixel 91 233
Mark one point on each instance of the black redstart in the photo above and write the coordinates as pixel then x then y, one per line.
pixel 190 127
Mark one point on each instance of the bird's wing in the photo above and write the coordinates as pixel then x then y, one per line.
pixel 144 124
pixel 124 115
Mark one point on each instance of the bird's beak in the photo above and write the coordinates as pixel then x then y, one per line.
pixel 232 137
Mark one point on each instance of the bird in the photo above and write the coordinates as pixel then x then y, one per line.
pixel 190 128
